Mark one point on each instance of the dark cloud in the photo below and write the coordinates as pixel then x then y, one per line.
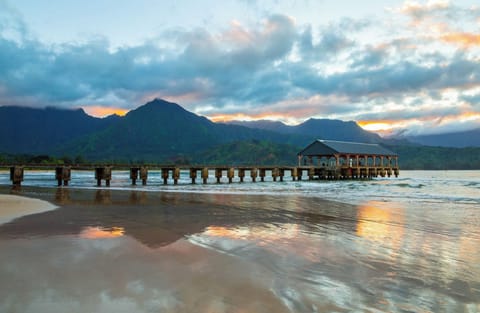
pixel 262 68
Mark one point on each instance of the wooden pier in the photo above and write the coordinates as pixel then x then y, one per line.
pixel 322 159
pixel 234 174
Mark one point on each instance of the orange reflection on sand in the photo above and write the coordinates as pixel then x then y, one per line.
pixel 378 222
pixel 258 233
pixel 99 233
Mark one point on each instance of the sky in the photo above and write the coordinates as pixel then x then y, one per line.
pixel 395 67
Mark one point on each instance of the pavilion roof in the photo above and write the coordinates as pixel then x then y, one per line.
pixel 332 147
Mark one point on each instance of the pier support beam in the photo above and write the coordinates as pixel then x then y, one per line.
pixel 254 174
pixel 134 175
pixel 165 175
pixel 16 175
pixel 275 174
pixel 218 174
pixel 262 174
pixel 241 174
pixel 62 174
pixel 103 173
pixel 176 175
pixel 205 175
pixel 230 174
pixel 311 173
pixel 193 174
pixel 294 173
pixel 144 174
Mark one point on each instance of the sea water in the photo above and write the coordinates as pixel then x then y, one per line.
pixel 407 244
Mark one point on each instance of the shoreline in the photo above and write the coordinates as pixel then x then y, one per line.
pixel 15 206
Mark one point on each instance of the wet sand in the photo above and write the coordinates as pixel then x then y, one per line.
pixel 134 251
pixel 12 207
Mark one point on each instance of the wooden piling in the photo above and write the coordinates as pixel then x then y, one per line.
pixel 311 173
pixel 254 174
pixel 241 174
pixel 176 175
pixel 294 173
pixel 134 174
pixel 275 173
pixel 230 174
pixel 62 174
pixel 218 174
pixel 16 175
pixel 262 174
pixel 165 175
pixel 193 174
pixel 205 175
pixel 144 174
pixel 103 173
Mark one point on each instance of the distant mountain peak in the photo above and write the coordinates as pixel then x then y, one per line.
pixel 161 102
pixel 158 106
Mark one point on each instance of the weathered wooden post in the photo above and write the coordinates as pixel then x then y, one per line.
pixel 275 174
pixel 218 174
pixel 144 174
pixel 262 174
pixel 16 175
pixel 62 174
pixel 205 175
pixel 281 173
pixel 241 174
pixel 134 175
pixel 108 175
pixel 176 175
pixel 299 173
pixel 104 173
pixel 165 175
pixel 193 174
pixel 311 173
pixel 294 173
pixel 254 174
pixel 230 174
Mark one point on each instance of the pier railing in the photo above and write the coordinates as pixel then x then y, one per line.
pixel 173 172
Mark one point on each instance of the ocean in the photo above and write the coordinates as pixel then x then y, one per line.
pixel 407 244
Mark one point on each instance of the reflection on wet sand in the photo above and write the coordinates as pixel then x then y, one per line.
pixel 383 225
pixel 120 251
pixel 153 219
pixel 97 232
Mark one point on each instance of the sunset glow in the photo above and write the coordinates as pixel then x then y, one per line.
pixel 99 111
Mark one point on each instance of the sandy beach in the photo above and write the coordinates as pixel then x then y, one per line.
pixel 12 207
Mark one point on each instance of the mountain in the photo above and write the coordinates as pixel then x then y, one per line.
pixel 456 140
pixel 39 131
pixel 318 129
pixel 264 124
pixel 161 130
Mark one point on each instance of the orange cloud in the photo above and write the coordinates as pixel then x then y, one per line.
pixel 388 127
pixel 245 117
pixel 100 111
pixel 464 39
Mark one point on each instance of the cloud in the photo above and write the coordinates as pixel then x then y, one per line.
pixel 274 67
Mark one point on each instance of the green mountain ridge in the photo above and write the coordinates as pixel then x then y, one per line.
pixel 164 132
